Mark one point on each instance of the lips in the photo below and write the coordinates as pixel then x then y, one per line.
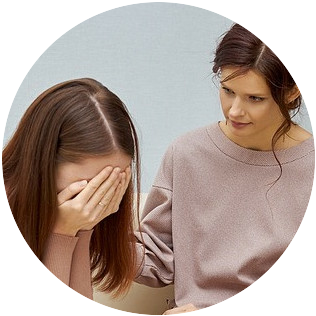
pixel 239 124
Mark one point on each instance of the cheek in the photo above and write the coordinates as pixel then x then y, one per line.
pixel 261 116
pixel 224 103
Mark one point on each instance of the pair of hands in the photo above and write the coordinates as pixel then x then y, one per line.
pixel 83 204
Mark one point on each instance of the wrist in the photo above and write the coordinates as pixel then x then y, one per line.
pixel 65 231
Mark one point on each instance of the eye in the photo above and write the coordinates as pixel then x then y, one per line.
pixel 227 90
pixel 256 99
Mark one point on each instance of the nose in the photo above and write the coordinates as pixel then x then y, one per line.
pixel 236 108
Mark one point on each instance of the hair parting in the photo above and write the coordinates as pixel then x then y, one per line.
pixel 70 121
pixel 241 49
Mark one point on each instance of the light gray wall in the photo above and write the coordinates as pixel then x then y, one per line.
pixel 155 56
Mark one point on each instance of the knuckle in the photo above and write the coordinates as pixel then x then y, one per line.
pixel 92 220
pixel 101 195
pixel 86 215
pixel 77 206
pixel 93 184
pixel 94 187
pixel 106 201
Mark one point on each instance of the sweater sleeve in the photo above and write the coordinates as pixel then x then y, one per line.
pixel 155 248
pixel 80 274
pixel 68 258
pixel 58 254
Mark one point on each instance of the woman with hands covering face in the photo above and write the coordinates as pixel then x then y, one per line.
pixel 70 172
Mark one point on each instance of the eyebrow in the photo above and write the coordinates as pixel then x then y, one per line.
pixel 259 94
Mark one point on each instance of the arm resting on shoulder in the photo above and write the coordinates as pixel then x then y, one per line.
pixel 155 246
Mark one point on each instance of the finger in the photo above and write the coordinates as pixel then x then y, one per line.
pixel 117 198
pixel 106 191
pixel 111 208
pixel 120 193
pixel 70 191
pixel 128 176
pixel 128 173
pixel 104 207
pixel 126 180
pixel 94 184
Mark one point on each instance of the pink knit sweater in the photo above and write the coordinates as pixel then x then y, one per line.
pixel 69 259
pixel 212 222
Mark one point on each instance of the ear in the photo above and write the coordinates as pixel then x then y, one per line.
pixel 293 94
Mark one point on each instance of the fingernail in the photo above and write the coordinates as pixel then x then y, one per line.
pixel 83 183
pixel 117 170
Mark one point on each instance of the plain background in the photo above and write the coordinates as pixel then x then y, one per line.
pixel 157 57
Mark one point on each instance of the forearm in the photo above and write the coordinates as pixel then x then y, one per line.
pixel 68 258
pixel 155 248
pixel 155 268
pixel 58 255
pixel 80 276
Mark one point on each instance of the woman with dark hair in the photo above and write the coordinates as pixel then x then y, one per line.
pixel 67 172
pixel 229 197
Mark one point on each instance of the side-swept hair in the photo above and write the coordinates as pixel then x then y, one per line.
pixel 71 121
pixel 242 49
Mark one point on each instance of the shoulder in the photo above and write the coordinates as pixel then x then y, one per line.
pixel 302 134
pixel 195 138
pixel 298 146
pixel 187 145
pixel 296 136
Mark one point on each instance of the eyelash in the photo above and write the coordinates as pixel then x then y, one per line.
pixel 252 97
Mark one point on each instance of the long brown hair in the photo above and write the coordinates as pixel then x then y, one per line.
pixel 68 122
pixel 240 48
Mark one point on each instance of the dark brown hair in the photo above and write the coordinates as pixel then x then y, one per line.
pixel 240 48
pixel 71 121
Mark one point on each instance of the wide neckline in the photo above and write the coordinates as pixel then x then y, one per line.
pixel 255 157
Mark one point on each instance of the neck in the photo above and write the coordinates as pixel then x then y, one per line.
pixel 259 142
